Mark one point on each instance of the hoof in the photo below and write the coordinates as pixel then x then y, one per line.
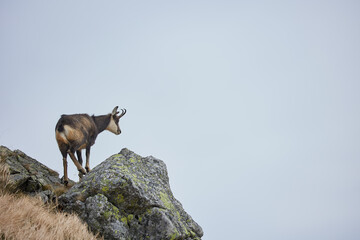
pixel 87 169
pixel 81 171
pixel 80 175
pixel 65 182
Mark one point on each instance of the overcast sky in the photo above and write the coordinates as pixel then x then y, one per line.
pixel 252 105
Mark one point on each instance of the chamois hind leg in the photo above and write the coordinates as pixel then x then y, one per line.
pixel 77 164
pixel 87 165
pixel 63 149
pixel 65 178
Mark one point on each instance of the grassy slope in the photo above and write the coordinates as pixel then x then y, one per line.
pixel 25 217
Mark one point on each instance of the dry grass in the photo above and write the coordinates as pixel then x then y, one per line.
pixel 25 217
pixel 5 185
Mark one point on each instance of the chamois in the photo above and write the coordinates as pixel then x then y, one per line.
pixel 79 131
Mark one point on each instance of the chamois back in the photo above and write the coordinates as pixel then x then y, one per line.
pixel 76 131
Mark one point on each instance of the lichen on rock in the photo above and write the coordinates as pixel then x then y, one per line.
pixel 129 197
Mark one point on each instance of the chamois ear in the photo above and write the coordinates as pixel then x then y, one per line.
pixel 114 112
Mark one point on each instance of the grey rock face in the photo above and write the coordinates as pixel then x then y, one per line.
pixel 129 197
pixel 28 175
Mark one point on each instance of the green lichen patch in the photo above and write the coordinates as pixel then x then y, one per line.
pixel 130 217
pixel 120 199
pixel 174 235
pixel 105 189
pixel 124 220
pixel 107 215
pixel 164 197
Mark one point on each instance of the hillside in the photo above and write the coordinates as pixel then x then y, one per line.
pixel 125 197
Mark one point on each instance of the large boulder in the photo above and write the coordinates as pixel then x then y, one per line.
pixel 129 197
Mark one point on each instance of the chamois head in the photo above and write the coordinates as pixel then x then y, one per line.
pixel 114 121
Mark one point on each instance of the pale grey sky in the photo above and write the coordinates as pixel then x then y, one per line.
pixel 253 105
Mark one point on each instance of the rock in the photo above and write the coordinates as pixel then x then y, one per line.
pixel 47 196
pixel 30 176
pixel 27 174
pixel 129 197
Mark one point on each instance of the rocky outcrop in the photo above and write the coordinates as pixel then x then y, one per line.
pixel 129 197
pixel 30 176
pixel 125 197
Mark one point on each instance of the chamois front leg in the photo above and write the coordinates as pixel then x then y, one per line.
pixel 77 164
pixel 87 165
pixel 79 157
